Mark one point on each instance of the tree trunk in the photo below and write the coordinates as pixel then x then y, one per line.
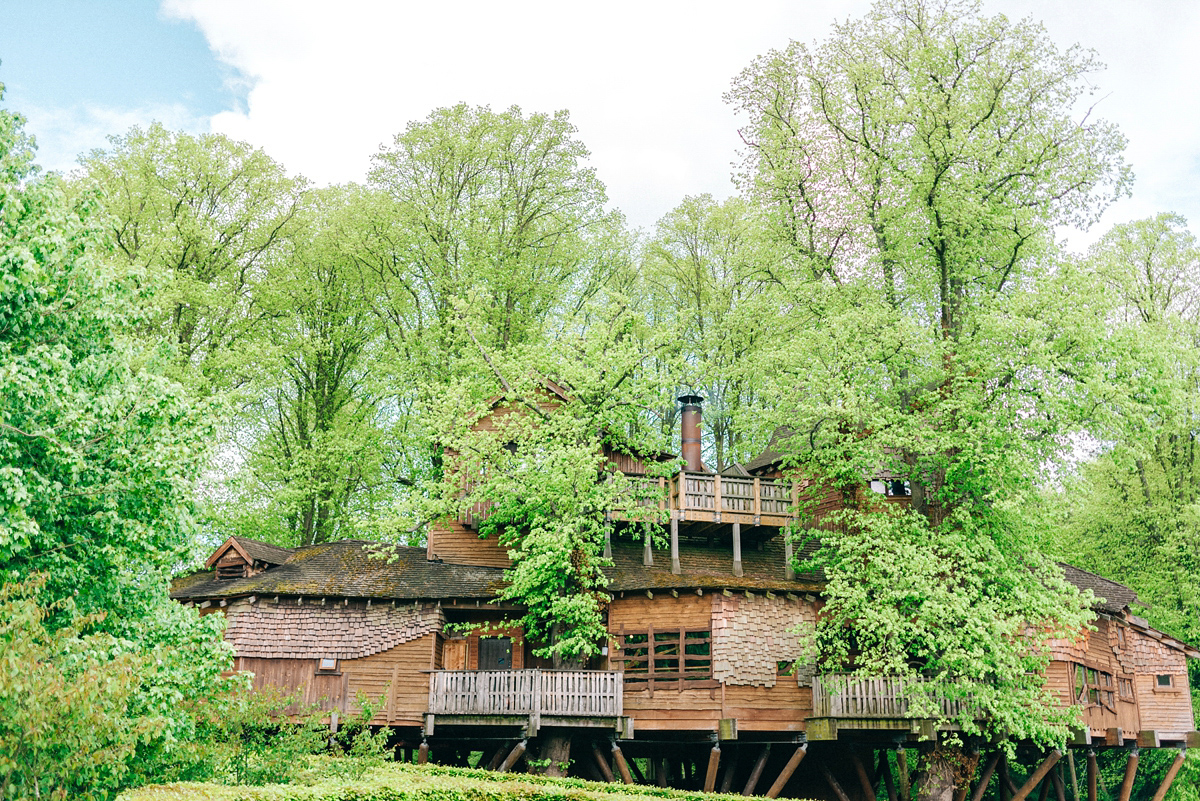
pixel 943 769
pixel 555 753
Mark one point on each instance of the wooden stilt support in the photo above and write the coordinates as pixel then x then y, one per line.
pixel 832 781
pixel 647 551
pixel 759 766
pixel 789 571
pixel 660 772
pixel 905 776
pixel 1004 787
pixel 1074 775
pixel 861 770
pixel 622 765
pixel 423 753
pixel 710 775
pixel 608 527
pixel 1044 792
pixel 788 770
pixel 960 793
pixel 511 760
pixel 986 777
pixel 1039 774
pixel 637 772
pixel 1060 790
pixel 737 549
pixel 498 757
pixel 730 772
pixel 1130 772
pixel 1170 777
pixel 602 763
pixel 1093 775
pixel 675 545
pixel 885 765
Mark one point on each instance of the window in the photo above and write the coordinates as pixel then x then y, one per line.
pixel 1126 687
pixel 1164 680
pixel 1120 636
pixel 650 656
pixel 327 665
pixel 1094 687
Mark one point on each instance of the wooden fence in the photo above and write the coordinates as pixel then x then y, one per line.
pixel 555 693
pixel 840 695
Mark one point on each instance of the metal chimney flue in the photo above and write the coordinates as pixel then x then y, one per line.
pixel 689 431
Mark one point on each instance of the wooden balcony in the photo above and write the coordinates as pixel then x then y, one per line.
pixel 709 498
pixel 529 698
pixel 842 701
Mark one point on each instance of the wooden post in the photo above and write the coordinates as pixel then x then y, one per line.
pixel 622 765
pixel 1037 775
pixel 788 770
pixel 637 772
pixel 756 773
pixel 1170 777
pixel 717 498
pixel 660 772
pixel 602 764
pixel 423 753
pixel 737 549
pixel 789 571
pixel 1130 771
pixel 1074 774
pixel 647 553
pixel 1060 791
pixel 885 765
pixel 675 545
pixel 608 526
pixel 730 770
pixel 905 776
pixel 714 762
pixel 861 770
pixel 1093 775
pixel 960 793
pixel 498 757
pixel 833 783
pixel 988 770
pixel 757 500
pixel 514 755
pixel 1044 793
pixel 1004 786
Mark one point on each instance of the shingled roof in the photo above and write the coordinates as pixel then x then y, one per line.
pixel 345 570
pixel 1111 597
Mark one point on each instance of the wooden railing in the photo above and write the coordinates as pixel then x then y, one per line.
pixel 840 695
pixel 559 693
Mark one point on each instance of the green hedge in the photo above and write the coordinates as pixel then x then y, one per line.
pixel 403 782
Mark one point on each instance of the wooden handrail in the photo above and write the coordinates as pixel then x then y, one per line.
pixel 566 693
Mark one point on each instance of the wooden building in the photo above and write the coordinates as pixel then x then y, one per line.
pixel 696 687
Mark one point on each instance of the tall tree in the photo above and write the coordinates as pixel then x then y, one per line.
pixel 912 168
pixel 204 219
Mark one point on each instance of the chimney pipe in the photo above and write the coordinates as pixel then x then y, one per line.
pixel 689 431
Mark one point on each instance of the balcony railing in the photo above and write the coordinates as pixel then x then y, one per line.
pixel 535 693
pixel 841 695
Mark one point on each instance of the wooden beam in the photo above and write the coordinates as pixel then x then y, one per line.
pixel 514 755
pixel 988 769
pixel 788 770
pixel 675 545
pixel 637 772
pixel 1130 771
pixel 759 766
pixel 737 549
pixel 833 783
pixel 660 772
pixel 885 765
pixel 1074 774
pixel 647 552
pixel 1060 790
pixel 710 775
pixel 1004 787
pixel 861 770
pixel 905 776
pixel 1170 777
pixel 622 765
pixel 1093 775
pixel 423 753
pixel 730 771
pixel 1039 774
pixel 602 763
pixel 498 757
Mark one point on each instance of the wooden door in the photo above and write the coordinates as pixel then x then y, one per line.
pixel 454 655
pixel 495 653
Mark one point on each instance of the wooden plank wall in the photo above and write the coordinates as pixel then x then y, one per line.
pixel 454 543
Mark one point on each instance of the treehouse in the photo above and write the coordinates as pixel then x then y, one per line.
pixel 702 683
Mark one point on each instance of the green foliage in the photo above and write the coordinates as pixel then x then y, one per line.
pixel 909 172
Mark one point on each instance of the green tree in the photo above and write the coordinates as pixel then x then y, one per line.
pixel 99 454
pixel 911 169
pixel 203 220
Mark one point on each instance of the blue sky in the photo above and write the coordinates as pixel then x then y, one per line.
pixel 320 85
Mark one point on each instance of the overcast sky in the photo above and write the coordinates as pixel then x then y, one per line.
pixel 321 85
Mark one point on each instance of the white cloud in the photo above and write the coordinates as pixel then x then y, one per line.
pixel 63 134
pixel 643 81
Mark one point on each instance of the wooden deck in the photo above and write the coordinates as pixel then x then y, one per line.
pixel 845 702
pixel 709 498
pixel 530 698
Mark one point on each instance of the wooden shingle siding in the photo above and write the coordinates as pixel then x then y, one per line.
pixel 751 634
pixel 452 542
